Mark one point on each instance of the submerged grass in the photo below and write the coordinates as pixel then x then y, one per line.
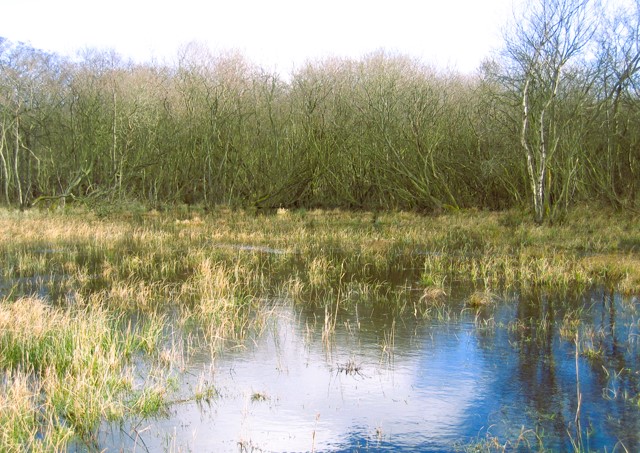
pixel 73 282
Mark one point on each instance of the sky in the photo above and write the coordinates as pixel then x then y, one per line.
pixel 278 35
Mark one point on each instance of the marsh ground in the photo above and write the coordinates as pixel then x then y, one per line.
pixel 114 326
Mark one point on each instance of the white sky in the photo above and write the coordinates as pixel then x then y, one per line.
pixel 276 34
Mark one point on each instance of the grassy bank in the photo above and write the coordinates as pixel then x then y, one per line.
pixel 85 296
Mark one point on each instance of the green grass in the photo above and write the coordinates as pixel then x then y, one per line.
pixel 66 369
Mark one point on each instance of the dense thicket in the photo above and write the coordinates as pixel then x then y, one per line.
pixel 544 125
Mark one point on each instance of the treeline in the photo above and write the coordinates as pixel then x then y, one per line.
pixel 553 121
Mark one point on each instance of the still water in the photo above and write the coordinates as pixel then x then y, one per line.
pixel 510 373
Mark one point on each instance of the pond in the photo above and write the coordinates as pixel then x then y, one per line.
pixel 521 372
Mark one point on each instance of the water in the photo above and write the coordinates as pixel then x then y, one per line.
pixel 383 382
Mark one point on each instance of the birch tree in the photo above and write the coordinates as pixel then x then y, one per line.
pixel 539 49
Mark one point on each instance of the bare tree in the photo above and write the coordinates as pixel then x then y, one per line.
pixel 618 75
pixel 539 49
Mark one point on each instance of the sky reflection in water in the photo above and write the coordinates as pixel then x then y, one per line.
pixel 433 386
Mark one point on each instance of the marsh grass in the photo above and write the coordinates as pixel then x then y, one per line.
pixel 479 247
pixel 26 425
pixel 66 370
pixel 571 322
pixel 349 368
pixel 108 286
pixel 322 272
pixel 258 397
pixel 205 390
pixel 432 293
pixel 525 440
pixel 219 299
pixel 479 299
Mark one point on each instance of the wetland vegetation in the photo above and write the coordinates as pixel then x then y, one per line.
pixel 363 254
pixel 114 329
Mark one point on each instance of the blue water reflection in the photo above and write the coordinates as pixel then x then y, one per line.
pixel 383 383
